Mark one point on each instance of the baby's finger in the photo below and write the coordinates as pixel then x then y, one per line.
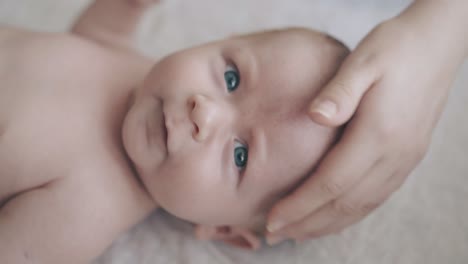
pixel 328 183
pixel 339 99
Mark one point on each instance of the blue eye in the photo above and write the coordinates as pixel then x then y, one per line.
pixel 232 78
pixel 241 155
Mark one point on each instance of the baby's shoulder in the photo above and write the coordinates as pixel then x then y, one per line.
pixel 61 57
pixel 85 206
pixel 49 49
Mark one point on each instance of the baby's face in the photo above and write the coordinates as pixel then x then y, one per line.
pixel 219 131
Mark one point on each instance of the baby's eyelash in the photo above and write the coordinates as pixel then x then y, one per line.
pixel 231 67
pixel 232 78
pixel 241 155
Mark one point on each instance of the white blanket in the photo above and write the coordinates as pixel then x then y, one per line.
pixel 425 222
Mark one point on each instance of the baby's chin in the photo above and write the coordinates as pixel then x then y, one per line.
pixel 128 141
pixel 143 134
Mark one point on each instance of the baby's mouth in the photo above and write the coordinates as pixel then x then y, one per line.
pixel 156 130
pixel 164 127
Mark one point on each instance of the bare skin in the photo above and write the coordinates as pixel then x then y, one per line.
pixel 94 136
pixel 61 167
pixel 387 77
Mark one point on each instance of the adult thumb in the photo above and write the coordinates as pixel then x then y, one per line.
pixel 338 100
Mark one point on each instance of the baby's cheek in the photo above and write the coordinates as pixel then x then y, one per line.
pixel 187 192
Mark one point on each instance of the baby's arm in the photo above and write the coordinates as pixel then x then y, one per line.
pixel 66 221
pixel 111 22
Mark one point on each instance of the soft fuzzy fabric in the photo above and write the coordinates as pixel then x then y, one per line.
pixel 425 222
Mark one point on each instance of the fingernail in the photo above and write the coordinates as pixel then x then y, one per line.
pixel 275 226
pixel 326 108
pixel 273 240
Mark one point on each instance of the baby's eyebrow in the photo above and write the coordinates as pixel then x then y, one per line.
pixel 261 146
pixel 247 66
pixel 258 152
pixel 217 78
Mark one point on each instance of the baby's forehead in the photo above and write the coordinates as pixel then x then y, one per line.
pixel 294 144
pixel 301 64
pixel 294 149
pixel 300 40
pixel 291 150
pixel 291 34
pixel 279 90
pixel 297 43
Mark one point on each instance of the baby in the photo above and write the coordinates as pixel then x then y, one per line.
pixel 94 136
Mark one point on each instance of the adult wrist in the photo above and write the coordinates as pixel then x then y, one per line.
pixel 442 21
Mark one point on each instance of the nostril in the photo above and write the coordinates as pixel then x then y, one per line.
pixel 191 104
pixel 199 115
pixel 196 133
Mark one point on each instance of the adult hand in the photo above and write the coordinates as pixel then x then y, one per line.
pixel 393 87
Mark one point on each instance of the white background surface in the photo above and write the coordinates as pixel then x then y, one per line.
pixel 425 222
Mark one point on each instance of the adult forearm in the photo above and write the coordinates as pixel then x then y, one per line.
pixel 444 23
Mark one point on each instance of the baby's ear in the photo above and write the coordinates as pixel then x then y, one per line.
pixel 235 236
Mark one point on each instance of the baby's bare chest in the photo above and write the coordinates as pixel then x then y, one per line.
pixel 49 107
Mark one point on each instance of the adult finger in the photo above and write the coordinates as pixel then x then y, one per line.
pixel 370 194
pixel 339 99
pixel 317 222
pixel 340 170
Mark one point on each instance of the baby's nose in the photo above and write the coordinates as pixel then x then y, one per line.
pixel 205 116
